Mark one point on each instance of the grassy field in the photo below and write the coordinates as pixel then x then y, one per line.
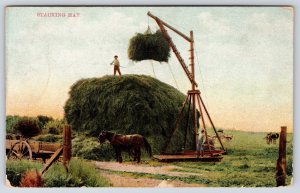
pixel 250 162
pixel 81 173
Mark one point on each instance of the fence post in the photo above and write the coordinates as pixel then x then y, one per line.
pixel 67 146
pixel 281 161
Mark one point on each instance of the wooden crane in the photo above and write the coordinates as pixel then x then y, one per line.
pixel 192 95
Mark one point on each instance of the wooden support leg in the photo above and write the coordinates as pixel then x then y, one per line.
pixel 195 120
pixel 211 122
pixel 176 124
pixel 203 122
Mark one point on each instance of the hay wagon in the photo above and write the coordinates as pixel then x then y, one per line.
pixel 22 148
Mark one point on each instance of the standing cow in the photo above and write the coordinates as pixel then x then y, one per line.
pixel 271 138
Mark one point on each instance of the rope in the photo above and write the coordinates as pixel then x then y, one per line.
pixel 153 68
pixel 197 61
pixel 148 31
pixel 173 75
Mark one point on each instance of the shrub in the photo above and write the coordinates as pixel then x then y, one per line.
pixel 81 173
pixel 54 130
pixel 15 169
pixel 28 127
pixel 32 178
pixel 133 104
pixel 43 120
pixel 49 138
pixel 11 120
pixel 289 158
pixel 89 148
pixel 54 127
pixel 149 46
pixel 289 165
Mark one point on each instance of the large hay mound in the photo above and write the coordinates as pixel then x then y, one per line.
pixel 149 47
pixel 133 104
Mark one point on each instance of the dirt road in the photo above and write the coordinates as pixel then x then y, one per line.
pixel 119 180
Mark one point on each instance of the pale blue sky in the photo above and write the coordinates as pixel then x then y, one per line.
pixel 245 56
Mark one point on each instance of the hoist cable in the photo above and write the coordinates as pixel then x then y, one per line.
pixel 173 75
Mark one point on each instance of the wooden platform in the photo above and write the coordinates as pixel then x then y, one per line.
pixel 172 158
pixel 213 156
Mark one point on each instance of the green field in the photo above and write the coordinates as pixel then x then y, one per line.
pixel 81 173
pixel 250 162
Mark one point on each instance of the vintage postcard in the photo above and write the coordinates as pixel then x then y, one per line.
pixel 183 96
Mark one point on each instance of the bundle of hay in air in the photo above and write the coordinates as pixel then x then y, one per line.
pixel 149 46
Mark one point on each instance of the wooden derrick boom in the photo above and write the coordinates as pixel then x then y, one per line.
pixel 193 95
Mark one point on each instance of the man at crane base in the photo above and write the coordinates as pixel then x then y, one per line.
pixel 116 64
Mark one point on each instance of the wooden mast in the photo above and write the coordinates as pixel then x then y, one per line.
pixel 193 88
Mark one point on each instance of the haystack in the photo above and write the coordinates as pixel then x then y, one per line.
pixel 134 104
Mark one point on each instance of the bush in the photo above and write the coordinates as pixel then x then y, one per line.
pixel 43 120
pixel 89 148
pixel 289 165
pixel 28 127
pixel 149 47
pixel 289 157
pixel 133 104
pixel 81 173
pixel 54 127
pixel 11 120
pixel 54 130
pixel 32 178
pixel 15 169
pixel 49 138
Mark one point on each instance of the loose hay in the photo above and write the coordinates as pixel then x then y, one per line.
pixel 134 104
pixel 149 47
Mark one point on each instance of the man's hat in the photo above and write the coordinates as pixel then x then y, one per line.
pixel 115 56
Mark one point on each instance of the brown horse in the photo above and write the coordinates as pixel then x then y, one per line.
pixel 130 143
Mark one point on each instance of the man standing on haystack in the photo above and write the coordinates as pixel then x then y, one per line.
pixel 116 64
